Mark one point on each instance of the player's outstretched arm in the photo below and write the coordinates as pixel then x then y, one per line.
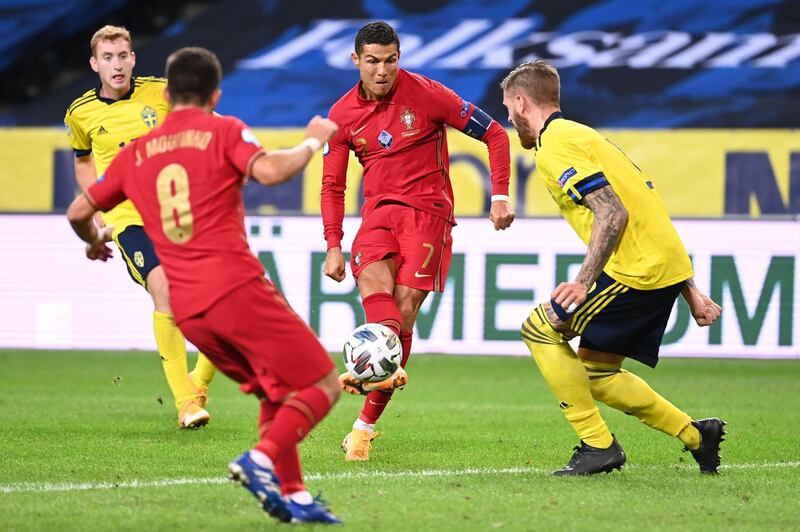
pixel 80 215
pixel 704 310
pixel 279 166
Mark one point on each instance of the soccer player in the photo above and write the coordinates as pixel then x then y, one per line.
pixel 619 303
pixel 186 179
pixel 99 124
pixel 394 121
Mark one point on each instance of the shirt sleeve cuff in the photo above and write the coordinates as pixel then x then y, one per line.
pixel 500 189
pixel 334 242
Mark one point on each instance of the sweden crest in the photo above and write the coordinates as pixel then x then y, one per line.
pixel 149 116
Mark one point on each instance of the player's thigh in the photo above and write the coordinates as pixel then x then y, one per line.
pixel 375 241
pixel 138 252
pixel 377 277
pixel 426 249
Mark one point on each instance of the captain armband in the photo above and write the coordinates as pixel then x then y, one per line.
pixel 478 124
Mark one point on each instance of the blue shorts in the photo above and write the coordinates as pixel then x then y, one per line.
pixel 622 320
pixel 138 252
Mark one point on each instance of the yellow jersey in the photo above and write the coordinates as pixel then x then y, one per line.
pixel 102 127
pixel 575 160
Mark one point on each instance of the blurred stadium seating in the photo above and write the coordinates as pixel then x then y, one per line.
pixel 624 64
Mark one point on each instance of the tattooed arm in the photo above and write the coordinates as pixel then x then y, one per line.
pixel 610 219
pixel 704 310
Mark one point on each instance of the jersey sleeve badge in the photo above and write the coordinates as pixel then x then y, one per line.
pixel 569 172
pixel 249 138
pixel 385 139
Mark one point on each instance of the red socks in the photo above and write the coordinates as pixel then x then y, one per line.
pixel 376 401
pixel 405 341
pixel 289 472
pixel 381 308
pixel 293 420
pixel 287 466
pixel 374 406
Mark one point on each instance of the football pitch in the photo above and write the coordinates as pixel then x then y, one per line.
pixel 88 441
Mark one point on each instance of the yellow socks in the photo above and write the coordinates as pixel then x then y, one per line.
pixel 628 393
pixel 172 348
pixel 690 437
pixel 566 377
pixel 203 371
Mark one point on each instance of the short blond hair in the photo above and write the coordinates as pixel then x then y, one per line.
pixel 538 79
pixel 109 33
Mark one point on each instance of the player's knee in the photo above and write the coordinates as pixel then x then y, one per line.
pixel 598 389
pixel 158 288
pixel 537 329
pixel 408 311
pixel 377 276
pixel 329 384
pixel 409 301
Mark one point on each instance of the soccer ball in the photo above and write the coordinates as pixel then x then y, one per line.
pixel 372 353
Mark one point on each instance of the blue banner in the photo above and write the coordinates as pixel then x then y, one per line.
pixel 632 64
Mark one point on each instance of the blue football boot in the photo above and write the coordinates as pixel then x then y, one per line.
pixel 263 484
pixel 315 512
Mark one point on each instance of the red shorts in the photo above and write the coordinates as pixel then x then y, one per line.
pixel 255 338
pixel 420 244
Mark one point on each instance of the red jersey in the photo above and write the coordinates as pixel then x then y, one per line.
pixel 185 179
pixel 400 141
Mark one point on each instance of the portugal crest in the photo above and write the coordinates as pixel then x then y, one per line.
pixel 149 116
pixel 408 117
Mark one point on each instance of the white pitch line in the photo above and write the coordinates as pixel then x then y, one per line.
pixel 48 487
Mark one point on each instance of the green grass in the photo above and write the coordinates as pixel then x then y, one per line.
pixel 467 446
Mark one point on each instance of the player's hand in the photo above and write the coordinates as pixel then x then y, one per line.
pixel 502 214
pixel 98 220
pixel 570 295
pixel 334 265
pixel 321 129
pixel 704 310
pixel 99 249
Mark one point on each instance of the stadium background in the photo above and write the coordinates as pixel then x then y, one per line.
pixel 704 97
